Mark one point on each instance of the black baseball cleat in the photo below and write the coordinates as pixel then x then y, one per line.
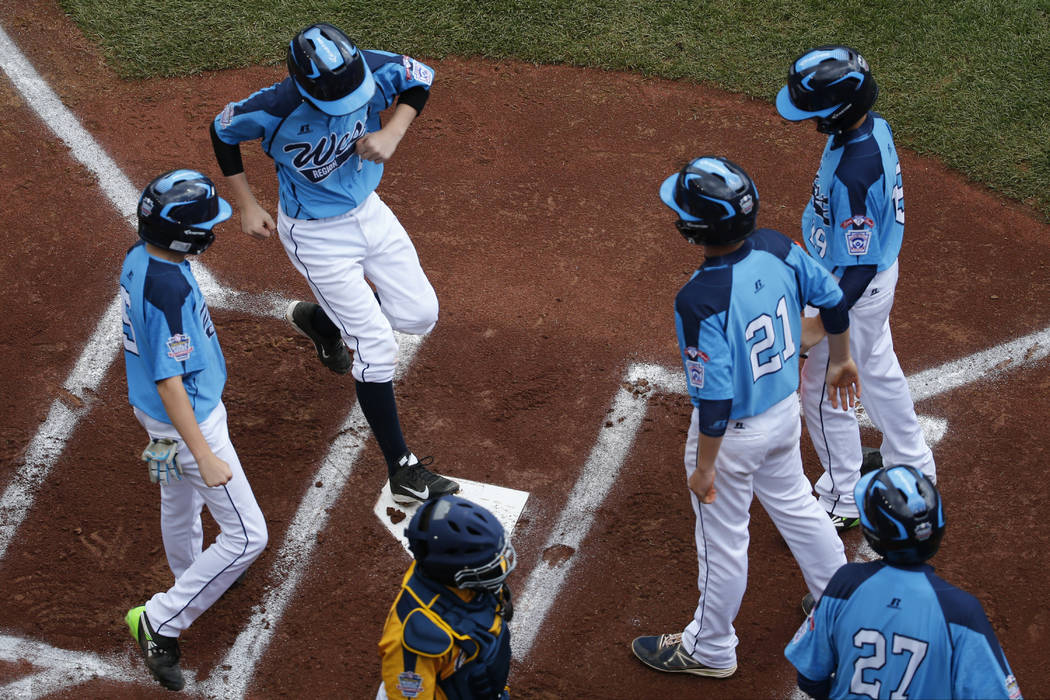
pixel 664 652
pixel 332 352
pixel 871 460
pixel 161 653
pixel 414 482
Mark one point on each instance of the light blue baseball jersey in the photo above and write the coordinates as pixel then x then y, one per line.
pixel 168 332
pixel 902 632
pixel 319 173
pixel 738 322
pixel 856 213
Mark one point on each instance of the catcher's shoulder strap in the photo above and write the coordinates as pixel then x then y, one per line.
pixel 425 634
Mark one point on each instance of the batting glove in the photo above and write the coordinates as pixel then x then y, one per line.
pixel 161 457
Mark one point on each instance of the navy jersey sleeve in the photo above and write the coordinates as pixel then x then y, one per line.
pixel 395 74
pixel 259 115
pixel 170 322
pixel 979 668
pixel 700 320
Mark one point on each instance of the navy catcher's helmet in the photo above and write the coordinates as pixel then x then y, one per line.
pixel 459 543
pixel 715 200
pixel 831 84
pixel 178 210
pixel 900 513
pixel 329 70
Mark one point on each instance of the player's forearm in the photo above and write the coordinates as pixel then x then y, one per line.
pixel 838 347
pixel 242 191
pixel 400 120
pixel 708 452
pixel 180 411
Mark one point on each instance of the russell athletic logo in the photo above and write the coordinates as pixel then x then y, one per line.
pixel 316 161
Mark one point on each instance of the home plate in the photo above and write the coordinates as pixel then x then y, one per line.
pixel 506 504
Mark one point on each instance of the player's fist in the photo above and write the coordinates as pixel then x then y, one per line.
pixel 702 483
pixel 256 221
pixel 214 471
pixel 378 146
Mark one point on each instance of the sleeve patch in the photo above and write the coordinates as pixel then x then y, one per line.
pixel 410 684
pixel 179 347
pixel 414 70
pixel 858 234
pixel 693 353
pixel 226 117
pixel 695 371
pixel 1012 687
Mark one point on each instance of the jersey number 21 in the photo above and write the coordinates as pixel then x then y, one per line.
pixel 764 323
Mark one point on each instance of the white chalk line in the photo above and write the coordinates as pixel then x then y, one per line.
pixel 299 543
pixel 49 442
pixel 614 442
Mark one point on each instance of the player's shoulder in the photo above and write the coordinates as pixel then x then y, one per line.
pixel 772 241
pixel 707 293
pixel 424 633
pixel 845 582
pixel 165 285
pixel 958 606
pixel 278 100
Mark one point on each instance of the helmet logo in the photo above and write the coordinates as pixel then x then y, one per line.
pixel 923 531
pixel 746 204
pixel 147 206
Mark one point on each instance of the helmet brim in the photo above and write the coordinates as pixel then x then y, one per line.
pixel 789 111
pixel 667 190
pixel 225 212
pixel 344 105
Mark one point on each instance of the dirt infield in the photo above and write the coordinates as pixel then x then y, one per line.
pixel 531 195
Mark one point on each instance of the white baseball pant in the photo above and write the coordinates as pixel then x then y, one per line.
pixel 759 456
pixel 884 395
pixel 337 254
pixel 201 577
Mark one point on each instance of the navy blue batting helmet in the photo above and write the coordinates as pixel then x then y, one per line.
pixel 459 543
pixel 831 84
pixel 900 513
pixel 716 201
pixel 329 70
pixel 178 210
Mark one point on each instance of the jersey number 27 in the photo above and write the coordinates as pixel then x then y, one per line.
pixel 874 639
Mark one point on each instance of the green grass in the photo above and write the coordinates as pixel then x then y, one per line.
pixel 965 80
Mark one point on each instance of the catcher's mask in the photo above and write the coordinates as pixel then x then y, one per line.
pixel 178 210
pixel 329 70
pixel 900 513
pixel 831 84
pixel 716 201
pixel 459 543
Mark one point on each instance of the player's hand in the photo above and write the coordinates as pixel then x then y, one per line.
pixel 702 483
pixel 256 221
pixel 378 146
pixel 812 333
pixel 843 380
pixel 214 471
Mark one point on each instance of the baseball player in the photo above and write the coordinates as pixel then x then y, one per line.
pixel 176 373
pixel 738 322
pixel 892 628
pixel 322 129
pixel 446 636
pixel 853 225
